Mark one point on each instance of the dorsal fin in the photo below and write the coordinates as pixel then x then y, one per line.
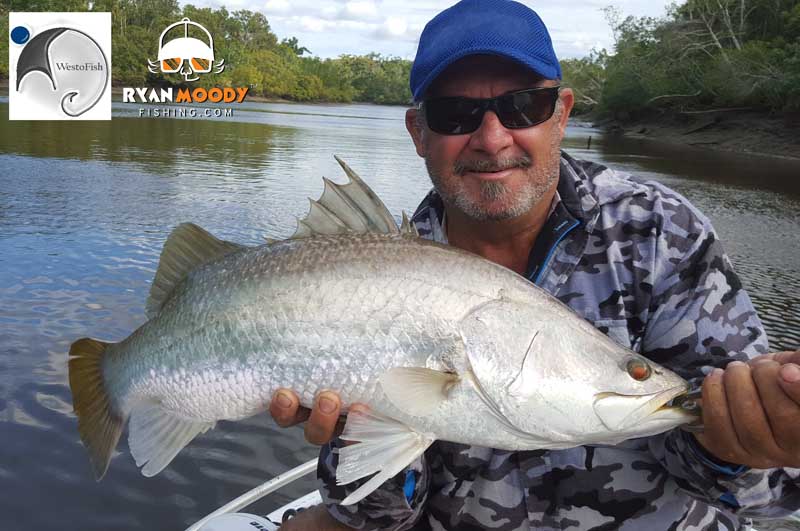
pixel 351 207
pixel 407 227
pixel 187 247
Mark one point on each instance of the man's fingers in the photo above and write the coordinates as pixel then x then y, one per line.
pixel 321 425
pixel 749 419
pixel 782 411
pixel 719 435
pixel 323 420
pixel 285 409
pixel 783 358
pixel 790 380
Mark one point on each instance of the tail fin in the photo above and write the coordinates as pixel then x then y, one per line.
pixel 98 424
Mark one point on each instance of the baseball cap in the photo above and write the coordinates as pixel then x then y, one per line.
pixel 497 27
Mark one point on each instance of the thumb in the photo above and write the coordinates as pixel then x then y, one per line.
pixel 789 378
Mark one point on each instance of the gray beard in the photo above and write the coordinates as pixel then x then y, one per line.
pixel 539 182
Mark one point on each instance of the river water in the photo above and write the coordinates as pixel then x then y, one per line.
pixel 86 206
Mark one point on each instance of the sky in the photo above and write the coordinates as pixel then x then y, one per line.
pixel 330 28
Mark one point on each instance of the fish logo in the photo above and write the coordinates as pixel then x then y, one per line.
pixel 187 55
pixel 60 69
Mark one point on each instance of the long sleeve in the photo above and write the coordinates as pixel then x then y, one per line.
pixel 748 492
pixel 396 505
pixel 701 318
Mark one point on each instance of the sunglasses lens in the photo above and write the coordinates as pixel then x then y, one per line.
pixel 526 109
pixel 171 65
pixel 460 116
pixel 200 65
pixel 453 116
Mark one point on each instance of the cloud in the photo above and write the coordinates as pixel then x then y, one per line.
pixel 392 27
pixel 397 28
pixel 277 6
pixel 314 24
pixel 359 11
pixel 319 24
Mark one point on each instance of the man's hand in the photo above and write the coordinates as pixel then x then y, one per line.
pixel 323 419
pixel 751 412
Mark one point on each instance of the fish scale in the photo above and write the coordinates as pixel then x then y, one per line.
pixel 280 340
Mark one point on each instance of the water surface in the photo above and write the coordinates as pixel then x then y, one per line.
pixel 86 206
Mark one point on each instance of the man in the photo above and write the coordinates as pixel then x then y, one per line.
pixel 634 258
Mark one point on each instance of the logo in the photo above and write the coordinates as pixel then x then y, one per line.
pixel 60 66
pixel 190 57
pixel 187 55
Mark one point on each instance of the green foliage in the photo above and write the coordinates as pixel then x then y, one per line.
pixel 279 75
pixel 791 21
pixel 377 79
pixel 307 88
pixel 703 54
pixel 336 80
pixel 586 77
pixel 294 45
pixel 4 42
pixel 244 39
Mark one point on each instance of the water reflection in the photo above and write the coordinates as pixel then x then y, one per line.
pixel 727 168
pixel 232 149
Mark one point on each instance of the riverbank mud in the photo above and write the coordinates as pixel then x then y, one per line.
pixel 732 131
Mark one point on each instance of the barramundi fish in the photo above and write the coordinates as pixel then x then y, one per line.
pixel 437 342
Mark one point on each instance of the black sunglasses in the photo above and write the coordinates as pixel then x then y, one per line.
pixel 516 110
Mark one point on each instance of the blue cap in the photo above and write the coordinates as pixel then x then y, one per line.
pixel 496 27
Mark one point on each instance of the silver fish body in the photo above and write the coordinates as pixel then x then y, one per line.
pixel 437 342
pixel 337 313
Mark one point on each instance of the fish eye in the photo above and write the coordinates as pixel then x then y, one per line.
pixel 639 370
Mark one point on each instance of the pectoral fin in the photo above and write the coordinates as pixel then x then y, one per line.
pixel 384 447
pixel 417 391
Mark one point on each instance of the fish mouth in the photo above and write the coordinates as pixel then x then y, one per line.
pixel 618 411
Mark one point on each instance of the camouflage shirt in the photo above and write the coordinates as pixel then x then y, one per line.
pixel 644 266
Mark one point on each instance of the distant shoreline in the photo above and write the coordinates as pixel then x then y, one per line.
pixel 741 132
pixel 117 91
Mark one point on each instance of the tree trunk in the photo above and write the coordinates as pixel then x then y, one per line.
pixel 726 18
pixel 713 35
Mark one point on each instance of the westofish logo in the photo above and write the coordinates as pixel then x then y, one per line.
pixel 83 67
pixel 59 66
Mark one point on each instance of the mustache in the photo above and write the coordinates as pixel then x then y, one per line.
pixel 463 166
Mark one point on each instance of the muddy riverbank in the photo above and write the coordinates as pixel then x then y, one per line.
pixel 741 132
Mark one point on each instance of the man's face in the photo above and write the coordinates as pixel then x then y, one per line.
pixel 493 173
